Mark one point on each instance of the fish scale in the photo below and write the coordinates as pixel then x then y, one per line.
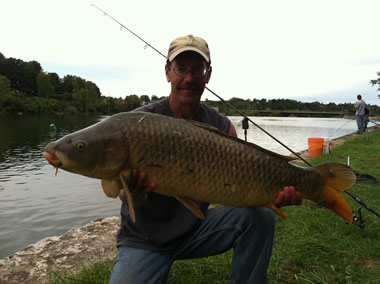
pixel 234 165
pixel 193 161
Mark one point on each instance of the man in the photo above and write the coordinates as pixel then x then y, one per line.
pixel 165 230
pixel 361 118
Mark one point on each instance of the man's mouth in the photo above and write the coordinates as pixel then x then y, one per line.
pixel 192 89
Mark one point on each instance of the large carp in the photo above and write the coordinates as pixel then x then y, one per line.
pixel 193 161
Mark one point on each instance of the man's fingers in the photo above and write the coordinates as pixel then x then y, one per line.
pixel 141 181
pixel 139 187
pixel 296 198
pixel 280 201
pixel 134 179
pixel 288 196
pixel 150 187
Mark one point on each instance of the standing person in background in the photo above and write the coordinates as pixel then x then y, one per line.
pixel 360 114
pixel 165 230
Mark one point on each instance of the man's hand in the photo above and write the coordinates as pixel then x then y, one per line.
pixel 288 196
pixel 138 186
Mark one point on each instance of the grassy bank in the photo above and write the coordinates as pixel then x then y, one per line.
pixel 313 246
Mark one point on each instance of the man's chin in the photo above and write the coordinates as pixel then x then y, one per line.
pixel 190 98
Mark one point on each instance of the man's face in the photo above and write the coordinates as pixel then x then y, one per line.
pixel 188 75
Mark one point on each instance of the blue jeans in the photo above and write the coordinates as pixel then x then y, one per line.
pixel 361 122
pixel 249 231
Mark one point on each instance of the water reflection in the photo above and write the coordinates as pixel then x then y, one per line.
pixel 34 203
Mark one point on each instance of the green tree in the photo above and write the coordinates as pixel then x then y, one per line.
pixel 45 89
pixel 376 82
pixel 131 102
pixel 30 72
pixel 5 89
pixel 67 85
pixel 144 99
pixel 12 68
pixel 81 100
pixel 5 85
pixel 55 81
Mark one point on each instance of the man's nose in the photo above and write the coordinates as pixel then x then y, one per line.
pixel 189 77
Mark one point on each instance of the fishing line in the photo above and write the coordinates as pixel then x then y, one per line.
pixel 374 122
pixel 348 121
pixel 231 106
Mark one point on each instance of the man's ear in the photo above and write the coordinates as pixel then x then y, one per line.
pixel 167 72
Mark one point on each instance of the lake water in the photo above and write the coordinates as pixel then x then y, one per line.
pixel 34 203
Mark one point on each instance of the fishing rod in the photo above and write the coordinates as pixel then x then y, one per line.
pixel 212 92
pixel 374 122
pixel 234 108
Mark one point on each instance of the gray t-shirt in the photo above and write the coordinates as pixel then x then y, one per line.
pixel 162 221
pixel 360 107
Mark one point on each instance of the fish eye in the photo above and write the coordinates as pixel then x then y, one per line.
pixel 81 146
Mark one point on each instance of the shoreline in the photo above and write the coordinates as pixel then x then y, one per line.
pixel 333 143
pixel 93 242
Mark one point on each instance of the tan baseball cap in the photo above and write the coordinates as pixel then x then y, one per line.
pixel 189 43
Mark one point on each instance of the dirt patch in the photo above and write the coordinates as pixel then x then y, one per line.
pixel 365 262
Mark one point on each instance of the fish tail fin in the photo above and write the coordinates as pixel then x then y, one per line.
pixel 337 178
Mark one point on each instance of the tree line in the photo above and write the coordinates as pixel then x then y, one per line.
pixel 286 107
pixel 26 88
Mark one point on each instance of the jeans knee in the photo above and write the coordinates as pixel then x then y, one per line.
pixel 259 218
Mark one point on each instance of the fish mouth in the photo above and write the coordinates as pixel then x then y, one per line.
pixel 52 159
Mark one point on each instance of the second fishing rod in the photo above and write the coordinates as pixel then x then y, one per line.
pixel 122 26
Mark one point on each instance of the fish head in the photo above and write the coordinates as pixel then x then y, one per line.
pixel 99 151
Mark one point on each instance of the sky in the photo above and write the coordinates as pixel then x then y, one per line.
pixel 320 50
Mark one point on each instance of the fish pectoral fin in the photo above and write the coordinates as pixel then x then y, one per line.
pixel 277 210
pixel 111 188
pixel 192 206
pixel 128 193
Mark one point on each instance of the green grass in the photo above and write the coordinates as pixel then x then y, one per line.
pixel 313 246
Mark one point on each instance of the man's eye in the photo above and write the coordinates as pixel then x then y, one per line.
pixel 182 69
pixel 200 70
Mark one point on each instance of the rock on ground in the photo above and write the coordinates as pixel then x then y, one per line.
pixel 94 242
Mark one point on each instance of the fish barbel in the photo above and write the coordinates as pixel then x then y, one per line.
pixel 194 161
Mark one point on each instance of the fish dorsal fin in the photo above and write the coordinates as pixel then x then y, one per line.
pixel 111 188
pixel 192 206
pixel 217 131
pixel 129 196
